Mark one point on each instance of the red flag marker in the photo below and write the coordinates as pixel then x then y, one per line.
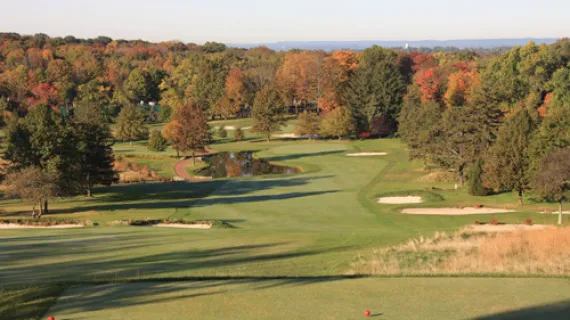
pixel 51 318
pixel 367 313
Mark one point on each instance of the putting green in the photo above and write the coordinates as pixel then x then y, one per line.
pixel 325 298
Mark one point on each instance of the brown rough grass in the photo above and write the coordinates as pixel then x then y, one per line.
pixel 537 252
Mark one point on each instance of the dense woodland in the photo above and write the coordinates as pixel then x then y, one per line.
pixel 497 118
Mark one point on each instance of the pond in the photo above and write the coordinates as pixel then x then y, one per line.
pixel 240 164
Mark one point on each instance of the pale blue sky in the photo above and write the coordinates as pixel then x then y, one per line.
pixel 269 20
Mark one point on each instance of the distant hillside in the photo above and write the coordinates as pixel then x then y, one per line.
pixel 360 45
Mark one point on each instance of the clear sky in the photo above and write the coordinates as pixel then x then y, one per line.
pixel 269 20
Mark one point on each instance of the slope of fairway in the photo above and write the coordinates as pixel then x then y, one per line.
pixel 311 224
pixel 326 298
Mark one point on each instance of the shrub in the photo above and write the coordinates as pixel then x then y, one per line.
pixel 528 221
pixel 476 222
pixel 475 182
pixel 478 206
pixel 494 221
pixel 222 132
pixel 239 134
pixel 157 142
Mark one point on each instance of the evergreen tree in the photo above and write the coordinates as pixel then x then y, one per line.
pixel 475 182
pixel 419 125
pixel 507 164
pixel 156 141
pixel 44 141
pixel 268 111
pixel 130 124
pixel 377 87
pixel 95 156
pixel 464 135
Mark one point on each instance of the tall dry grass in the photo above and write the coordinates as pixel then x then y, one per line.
pixel 544 252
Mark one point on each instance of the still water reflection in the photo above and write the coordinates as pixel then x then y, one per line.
pixel 240 164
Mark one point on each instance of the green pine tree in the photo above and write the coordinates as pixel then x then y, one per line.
pixel 507 164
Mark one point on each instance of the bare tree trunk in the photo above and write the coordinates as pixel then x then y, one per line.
pixel 177 153
pixel 268 136
pixel 194 157
pixel 89 194
pixel 34 210
pixel 560 213
pixel 46 211
pixel 461 181
pixel 521 197
pixel 130 143
pixel 425 163
pixel 41 209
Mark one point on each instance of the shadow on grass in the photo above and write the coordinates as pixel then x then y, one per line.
pixel 555 311
pixel 183 195
pixel 90 298
pixel 89 260
pixel 302 155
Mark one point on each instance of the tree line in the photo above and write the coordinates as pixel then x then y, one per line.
pixel 503 122
pixel 465 111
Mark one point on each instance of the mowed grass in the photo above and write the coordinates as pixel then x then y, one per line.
pixel 311 224
pixel 324 298
pixel 316 223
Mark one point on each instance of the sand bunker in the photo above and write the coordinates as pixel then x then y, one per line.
pixel 506 227
pixel 454 211
pixel 183 226
pixel 232 128
pixel 21 226
pixel 286 135
pixel 400 200
pixel 366 154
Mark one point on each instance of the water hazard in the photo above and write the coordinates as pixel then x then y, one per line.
pixel 240 164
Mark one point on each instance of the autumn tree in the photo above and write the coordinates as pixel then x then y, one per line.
pixel 552 134
pixel 552 183
pixel 32 184
pixel 268 111
pixel 239 134
pixel 156 141
pixel 130 124
pixel 235 95
pixel 189 131
pixel 209 86
pixel 507 164
pixel 337 123
pixel 308 124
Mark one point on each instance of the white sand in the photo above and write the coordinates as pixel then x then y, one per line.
pixel 233 128
pixel 183 226
pixel 454 211
pixel 366 154
pixel 506 227
pixel 19 226
pixel 285 135
pixel 400 200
